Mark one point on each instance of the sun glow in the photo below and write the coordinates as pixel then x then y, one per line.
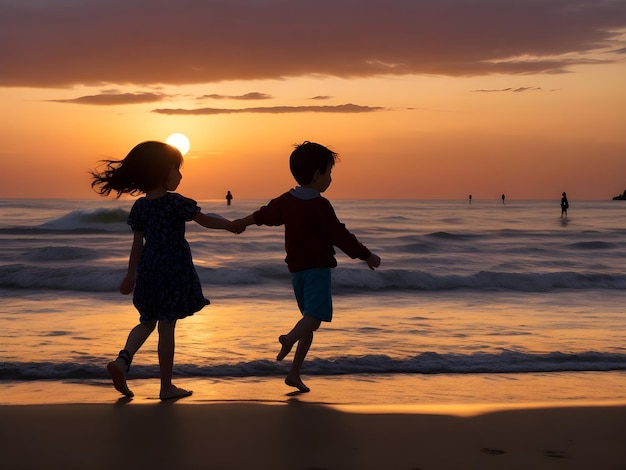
pixel 180 141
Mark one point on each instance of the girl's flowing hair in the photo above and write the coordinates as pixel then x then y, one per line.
pixel 146 167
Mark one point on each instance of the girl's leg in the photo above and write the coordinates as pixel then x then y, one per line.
pixel 118 368
pixel 138 336
pixel 166 362
pixel 293 378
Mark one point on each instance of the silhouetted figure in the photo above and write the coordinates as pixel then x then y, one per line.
pixel 470 198
pixel 503 199
pixel 312 230
pixel 161 274
pixel 229 197
pixel 564 206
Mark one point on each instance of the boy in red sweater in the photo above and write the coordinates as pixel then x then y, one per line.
pixel 312 230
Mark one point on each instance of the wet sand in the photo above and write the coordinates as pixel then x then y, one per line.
pixel 296 434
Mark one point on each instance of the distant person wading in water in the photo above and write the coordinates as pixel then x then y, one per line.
pixel 564 206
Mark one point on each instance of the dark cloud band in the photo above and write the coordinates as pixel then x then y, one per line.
pixel 143 42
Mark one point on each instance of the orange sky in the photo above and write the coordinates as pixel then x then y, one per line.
pixel 421 99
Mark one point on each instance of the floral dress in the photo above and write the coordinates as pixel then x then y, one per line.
pixel 167 286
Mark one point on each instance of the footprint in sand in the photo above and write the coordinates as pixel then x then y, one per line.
pixel 555 454
pixel 487 450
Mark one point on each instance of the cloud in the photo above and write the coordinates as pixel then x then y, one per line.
pixel 114 98
pixel 66 43
pixel 111 99
pixel 526 88
pixel 513 90
pixel 247 96
pixel 342 108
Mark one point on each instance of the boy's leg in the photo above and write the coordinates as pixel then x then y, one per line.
pixel 293 378
pixel 117 369
pixel 307 325
pixel 312 288
pixel 166 362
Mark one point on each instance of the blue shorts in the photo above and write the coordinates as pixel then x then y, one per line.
pixel 312 289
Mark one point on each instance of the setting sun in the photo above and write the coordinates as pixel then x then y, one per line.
pixel 180 141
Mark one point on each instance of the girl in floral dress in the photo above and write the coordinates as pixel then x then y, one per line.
pixel 161 273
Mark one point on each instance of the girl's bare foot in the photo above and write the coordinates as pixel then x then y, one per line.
pixel 297 383
pixel 172 392
pixel 285 349
pixel 117 372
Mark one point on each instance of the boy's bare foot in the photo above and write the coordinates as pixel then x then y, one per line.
pixel 174 392
pixel 297 383
pixel 118 376
pixel 285 349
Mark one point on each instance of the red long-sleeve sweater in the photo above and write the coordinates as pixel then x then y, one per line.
pixel 312 230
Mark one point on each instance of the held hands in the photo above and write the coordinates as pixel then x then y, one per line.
pixel 216 221
pixel 238 226
pixel 373 261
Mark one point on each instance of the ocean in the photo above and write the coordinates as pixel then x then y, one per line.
pixel 472 302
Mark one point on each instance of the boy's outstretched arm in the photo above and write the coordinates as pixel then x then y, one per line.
pixel 373 261
pixel 216 222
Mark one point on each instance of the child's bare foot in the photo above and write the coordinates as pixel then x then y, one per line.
pixel 117 372
pixel 285 349
pixel 172 392
pixel 297 383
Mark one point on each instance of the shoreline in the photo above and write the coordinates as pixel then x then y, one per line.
pixel 359 391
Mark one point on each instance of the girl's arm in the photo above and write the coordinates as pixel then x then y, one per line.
pixel 128 283
pixel 216 222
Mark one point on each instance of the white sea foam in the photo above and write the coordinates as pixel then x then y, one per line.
pixel 425 363
pixel 91 219
pixel 105 277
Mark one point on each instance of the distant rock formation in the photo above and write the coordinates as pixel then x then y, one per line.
pixel 621 197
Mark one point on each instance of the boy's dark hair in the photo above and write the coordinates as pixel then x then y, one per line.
pixel 307 158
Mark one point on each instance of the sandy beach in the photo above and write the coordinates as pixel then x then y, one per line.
pixel 295 432
pixel 307 436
